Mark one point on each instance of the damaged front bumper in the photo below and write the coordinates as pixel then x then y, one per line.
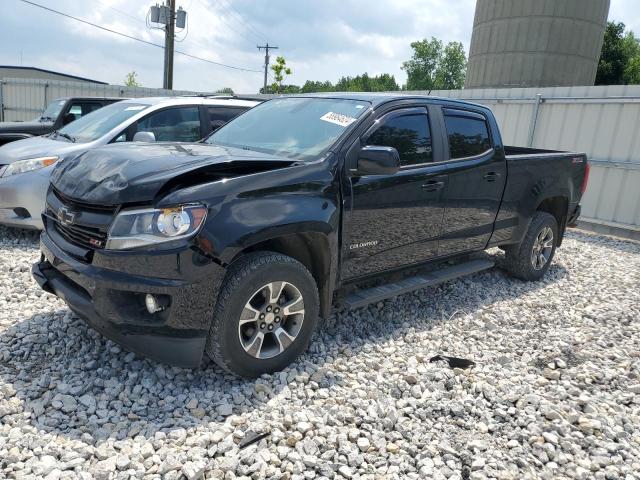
pixel 112 301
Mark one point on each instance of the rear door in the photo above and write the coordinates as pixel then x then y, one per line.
pixel 172 124
pixel 395 220
pixel 476 166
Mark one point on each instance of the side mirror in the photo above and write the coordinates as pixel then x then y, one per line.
pixel 144 137
pixel 375 160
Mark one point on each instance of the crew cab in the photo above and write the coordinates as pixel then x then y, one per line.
pixel 58 113
pixel 25 165
pixel 237 245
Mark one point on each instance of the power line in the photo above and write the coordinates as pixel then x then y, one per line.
pixel 122 12
pixel 136 38
pixel 259 33
pixel 228 23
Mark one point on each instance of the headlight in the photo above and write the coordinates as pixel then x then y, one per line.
pixel 28 165
pixel 136 228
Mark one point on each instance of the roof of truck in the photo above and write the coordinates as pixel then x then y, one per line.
pixel 379 98
pixel 193 100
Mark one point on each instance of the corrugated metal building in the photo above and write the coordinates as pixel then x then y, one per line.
pixel 23 99
pixel 536 43
pixel 12 71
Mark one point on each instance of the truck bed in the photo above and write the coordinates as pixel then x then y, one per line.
pixel 511 151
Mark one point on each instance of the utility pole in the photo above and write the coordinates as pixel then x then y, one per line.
pixel 166 18
pixel 169 38
pixel 266 48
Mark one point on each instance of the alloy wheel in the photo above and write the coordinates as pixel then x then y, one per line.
pixel 542 248
pixel 271 320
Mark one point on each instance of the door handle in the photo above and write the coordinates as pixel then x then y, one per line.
pixel 491 176
pixel 433 186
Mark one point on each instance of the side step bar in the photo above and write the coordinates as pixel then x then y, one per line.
pixel 360 298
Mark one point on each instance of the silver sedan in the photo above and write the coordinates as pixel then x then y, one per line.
pixel 26 165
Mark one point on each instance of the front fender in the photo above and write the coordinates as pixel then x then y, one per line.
pixel 243 224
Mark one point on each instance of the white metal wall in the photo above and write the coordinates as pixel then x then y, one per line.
pixel 603 122
pixel 25 99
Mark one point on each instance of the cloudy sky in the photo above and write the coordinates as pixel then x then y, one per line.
pixel 322 40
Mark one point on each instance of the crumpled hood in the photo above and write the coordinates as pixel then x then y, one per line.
pixel 120 174
pixel 36 147
pixel 34 128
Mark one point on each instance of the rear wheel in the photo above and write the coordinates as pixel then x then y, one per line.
pixel 531 259
pixel 266 313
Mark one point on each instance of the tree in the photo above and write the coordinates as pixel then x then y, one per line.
pixel 131 80
pixel 435 66
pixel 360 83
pixel 451 71
pixel 283 89
pixel 280 69
pixel 620 57
pixel 311 86
pixel 365 83
pixel 286 89
pixel 225 91
pixel 289 89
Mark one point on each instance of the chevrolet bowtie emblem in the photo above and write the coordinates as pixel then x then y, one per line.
pixel 66 216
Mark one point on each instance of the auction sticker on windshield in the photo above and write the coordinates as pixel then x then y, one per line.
pixel 338 119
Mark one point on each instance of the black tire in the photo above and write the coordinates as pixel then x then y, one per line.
pixel 518 258
pixel 244 279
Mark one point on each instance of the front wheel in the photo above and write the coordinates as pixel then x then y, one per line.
pixel 265 316
pixel 531 259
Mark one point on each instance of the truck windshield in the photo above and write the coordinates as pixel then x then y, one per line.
pixel 296 127
pixel 52 111
pixel 94 125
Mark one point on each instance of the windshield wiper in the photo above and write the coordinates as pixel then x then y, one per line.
pixel 46 119
pixel 67 136
pixel 58 133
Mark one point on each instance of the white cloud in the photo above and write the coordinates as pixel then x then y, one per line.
pixel 321 40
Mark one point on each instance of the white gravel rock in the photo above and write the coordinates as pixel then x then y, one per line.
pixel 555 392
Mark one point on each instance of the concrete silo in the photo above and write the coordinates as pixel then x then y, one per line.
pixel 536 43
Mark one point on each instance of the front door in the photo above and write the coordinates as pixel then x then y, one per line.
pixel 395 220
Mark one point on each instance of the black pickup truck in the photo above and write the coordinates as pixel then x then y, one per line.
pixel 235 246
pixel 58 113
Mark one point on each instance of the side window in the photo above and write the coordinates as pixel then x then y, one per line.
pixel 468 136
pixel 120 138
pixel 409 134
pixel 74 113
pixel 75 110
pixel 218 116
pixel 90 107
pixel 81 109
pixel 180 124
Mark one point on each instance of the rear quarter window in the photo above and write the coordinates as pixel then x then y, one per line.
pixel 468 136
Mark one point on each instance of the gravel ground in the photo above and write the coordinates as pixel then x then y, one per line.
pixel 555 392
